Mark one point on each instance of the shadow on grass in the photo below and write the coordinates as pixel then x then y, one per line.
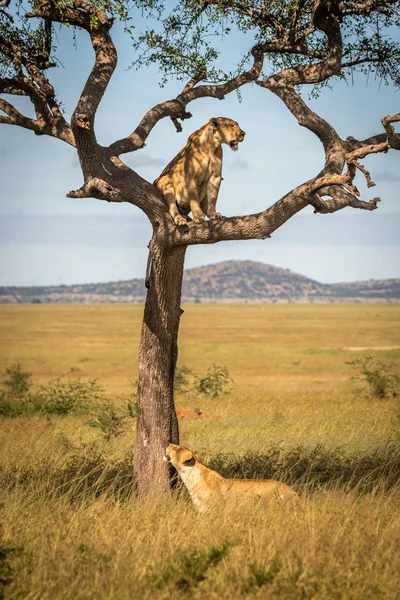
pixel 317 466
pixel 90 474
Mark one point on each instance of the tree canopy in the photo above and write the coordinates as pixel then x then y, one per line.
pixel 291 44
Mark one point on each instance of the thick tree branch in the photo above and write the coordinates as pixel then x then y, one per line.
pixel 353 144
pixel 362 8
pixel 263 224
pixel 13 86
pixel 176 108
pixel 97 188
pixel 333 145
pixel 296 13
pixel 30 81
pixel 60 130
pixel 340 198
pixel 85 15
pixel 326 18
pixel 328 192
pixel 14 117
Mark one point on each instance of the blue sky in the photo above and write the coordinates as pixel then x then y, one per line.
pixel 46 238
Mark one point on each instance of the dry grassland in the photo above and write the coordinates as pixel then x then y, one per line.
pixel 69 525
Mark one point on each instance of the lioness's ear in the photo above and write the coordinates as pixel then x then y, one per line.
pixel 186 456
pixel 197 457
pixel 214 123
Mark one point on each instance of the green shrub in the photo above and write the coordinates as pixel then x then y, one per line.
pixel 382 382
pixel 62 396
pixel 70 396
pixel 15 397
pixel 213 384
pixel 17 382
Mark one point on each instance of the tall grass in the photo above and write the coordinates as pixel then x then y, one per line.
pixel 71 527
pixel 332 544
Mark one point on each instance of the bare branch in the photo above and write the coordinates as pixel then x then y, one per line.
pixel 176 108
pixel 377 144
pixel 360 61
pixel 360 8
pixel 56 128
pixel 340 198
pixel 97 188
pixel 366 173
pixel 14 117
pixel 263 224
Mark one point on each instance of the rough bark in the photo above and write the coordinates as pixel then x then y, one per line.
pixel 157 424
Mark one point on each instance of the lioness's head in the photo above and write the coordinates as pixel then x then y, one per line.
pixel 227 131
pixel 179 456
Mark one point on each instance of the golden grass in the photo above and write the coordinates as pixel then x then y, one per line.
pixel 332 545
pixel 68 528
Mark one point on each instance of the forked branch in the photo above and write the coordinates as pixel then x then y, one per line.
pixel 176 108
pixel 85 15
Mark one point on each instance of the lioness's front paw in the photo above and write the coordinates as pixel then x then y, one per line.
pixel 198 219
pixel 179 220
pixel 218 216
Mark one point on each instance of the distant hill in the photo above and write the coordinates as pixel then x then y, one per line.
pixel 231 281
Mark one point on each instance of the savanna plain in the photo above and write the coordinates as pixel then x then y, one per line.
pixel 298 399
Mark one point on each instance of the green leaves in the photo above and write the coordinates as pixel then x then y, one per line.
pixel 186 38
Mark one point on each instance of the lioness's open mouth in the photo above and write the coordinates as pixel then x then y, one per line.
pixel 167 457
pixel 234 144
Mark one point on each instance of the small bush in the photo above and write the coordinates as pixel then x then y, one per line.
pixel 214 382
pixel 382 383
pixel 211 385
pixel 62 397
pixel 15 397
pixel 17 382
pixel 109 420
pixel 71 396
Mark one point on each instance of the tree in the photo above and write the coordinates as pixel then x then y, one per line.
pixel 295 43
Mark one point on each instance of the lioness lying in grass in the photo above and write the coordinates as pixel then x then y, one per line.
pixel 207 488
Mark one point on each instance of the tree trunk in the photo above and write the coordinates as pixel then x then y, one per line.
pixel 157 424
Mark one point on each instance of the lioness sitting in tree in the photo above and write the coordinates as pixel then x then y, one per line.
pixel 190 182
